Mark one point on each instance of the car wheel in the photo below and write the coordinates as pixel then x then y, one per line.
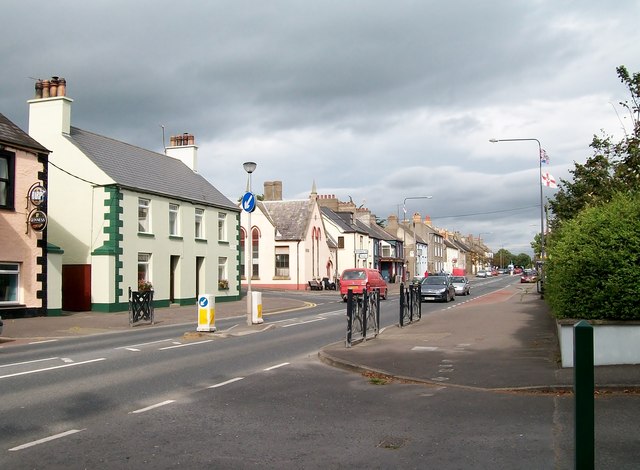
pixel 384 297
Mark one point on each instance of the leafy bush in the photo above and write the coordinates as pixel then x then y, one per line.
pixel 593 269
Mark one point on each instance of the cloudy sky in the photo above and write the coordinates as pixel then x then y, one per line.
pixel 375 100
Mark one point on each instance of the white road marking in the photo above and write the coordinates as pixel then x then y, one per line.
pixel 222 384
pixel 186 344
pixel 275 367
pixel 303 322
pixel 52 368
pixel 29 362
pixel 43 341
pixel 132 349
pixel 66 359
pixel 46 439
pixel 145 344
pixel 157 405
pixel 424 348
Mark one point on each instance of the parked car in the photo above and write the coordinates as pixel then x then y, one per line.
pixel 437 288
pixel 358 280
pixel 481 274
pixel 461 285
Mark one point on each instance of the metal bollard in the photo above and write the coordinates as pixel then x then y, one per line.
pixel 584 389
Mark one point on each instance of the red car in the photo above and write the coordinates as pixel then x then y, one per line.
pixel 529 277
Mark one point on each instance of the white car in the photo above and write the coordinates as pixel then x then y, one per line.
pixel 482 274
pixel 461 285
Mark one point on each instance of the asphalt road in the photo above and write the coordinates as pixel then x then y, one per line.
pixel 159 398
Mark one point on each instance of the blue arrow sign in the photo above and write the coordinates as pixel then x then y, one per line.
pixel 248 202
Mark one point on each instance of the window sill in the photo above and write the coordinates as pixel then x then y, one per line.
pixel 201 240
pixel 146 235
pixel 175 237
pixel 223 242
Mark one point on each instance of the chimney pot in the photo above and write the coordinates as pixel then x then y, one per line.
pixel 38 89
pixel 192 139
pixel 45 88
pixel 53 87
pixel 172 141
pixel 62 87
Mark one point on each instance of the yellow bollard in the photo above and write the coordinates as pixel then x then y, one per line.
pixel 206 313
pixel 256 310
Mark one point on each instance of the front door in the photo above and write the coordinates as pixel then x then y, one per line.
pixel 173 269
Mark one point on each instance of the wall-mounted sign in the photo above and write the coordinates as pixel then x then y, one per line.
pixel 37 194
pixel 37 220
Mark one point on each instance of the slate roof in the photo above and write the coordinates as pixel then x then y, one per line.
pixel 343 221
pixel 13 135
pixel 147 171
pixel 290 218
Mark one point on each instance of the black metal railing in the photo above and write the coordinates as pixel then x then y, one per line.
pixel 363 316
pixel 410 304
pixel 140 306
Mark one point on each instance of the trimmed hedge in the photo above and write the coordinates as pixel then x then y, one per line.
pixel 593 266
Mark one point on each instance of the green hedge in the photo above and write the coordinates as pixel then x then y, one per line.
pixel 593 266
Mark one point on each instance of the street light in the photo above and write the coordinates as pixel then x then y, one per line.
pixel 541 199
pixel 249 167
pixel 415 250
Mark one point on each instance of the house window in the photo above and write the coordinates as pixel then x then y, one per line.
pixel 144 225
pixel 242 253
pixel 144 267
pixel 199 223
pixel 7 180
pixel 255 254
pixel 340 242
pixel 222 269
pixel 173 219
pixel 222 226
pixel 9 283
pixel 282 261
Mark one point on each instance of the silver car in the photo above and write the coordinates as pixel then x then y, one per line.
pixel 437 288
pixel 461 285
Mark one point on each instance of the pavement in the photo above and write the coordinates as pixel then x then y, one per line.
pixel 505 340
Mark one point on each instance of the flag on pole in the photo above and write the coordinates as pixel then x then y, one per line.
pixel 549 180
pixel 544 158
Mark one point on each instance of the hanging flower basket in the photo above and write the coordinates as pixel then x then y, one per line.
pixel 223 284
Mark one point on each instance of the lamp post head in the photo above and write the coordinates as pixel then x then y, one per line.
pixel 493 140
pixel 249 167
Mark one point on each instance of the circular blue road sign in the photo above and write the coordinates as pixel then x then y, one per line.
pixel 248 202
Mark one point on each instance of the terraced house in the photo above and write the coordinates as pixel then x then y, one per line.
pixel 122 215
pixel 23 239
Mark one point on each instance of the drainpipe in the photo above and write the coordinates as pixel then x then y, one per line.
pixel 298 265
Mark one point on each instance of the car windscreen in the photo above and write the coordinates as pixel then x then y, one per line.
pixel 457 279
pixel 353 275
pixel 435 281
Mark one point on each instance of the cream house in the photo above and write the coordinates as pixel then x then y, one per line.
pixel 123 215
pixel 288 241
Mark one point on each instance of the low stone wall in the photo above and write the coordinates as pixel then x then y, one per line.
pixel 614 342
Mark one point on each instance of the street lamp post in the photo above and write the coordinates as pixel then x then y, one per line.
pixel 541 199
pixel 249 167
pixel 415 243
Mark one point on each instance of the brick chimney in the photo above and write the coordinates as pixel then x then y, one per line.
pixel 183 147
pixel 273 190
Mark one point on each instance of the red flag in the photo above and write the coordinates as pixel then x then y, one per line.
pixel 549 180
